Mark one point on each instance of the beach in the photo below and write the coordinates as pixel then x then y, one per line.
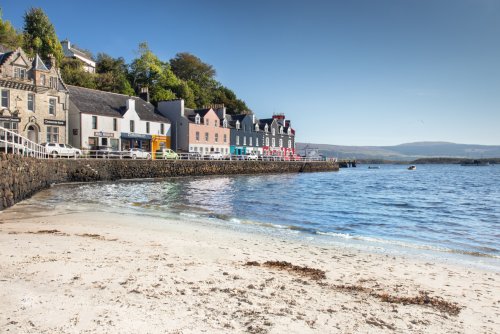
pixel 95 272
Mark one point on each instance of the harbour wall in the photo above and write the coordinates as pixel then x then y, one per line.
pixel 21 177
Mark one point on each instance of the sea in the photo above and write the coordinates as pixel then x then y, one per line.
pixel 446 211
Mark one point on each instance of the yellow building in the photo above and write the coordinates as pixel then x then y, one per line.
pixel 159 142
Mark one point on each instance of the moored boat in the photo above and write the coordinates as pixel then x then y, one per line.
pixel 412 167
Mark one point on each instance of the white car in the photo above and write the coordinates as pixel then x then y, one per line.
pixel 251 156
pixel 62 150
pixel 137 153
pixel 215 155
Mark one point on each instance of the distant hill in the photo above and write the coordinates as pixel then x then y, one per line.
pixel 405 152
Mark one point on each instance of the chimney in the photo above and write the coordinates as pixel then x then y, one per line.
pixel 130 104
pixel 144 94
pixel 220 110
pixel 52 61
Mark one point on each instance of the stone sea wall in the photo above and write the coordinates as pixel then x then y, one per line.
pixel 21 177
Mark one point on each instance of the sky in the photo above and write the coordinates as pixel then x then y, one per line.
pixel 345 72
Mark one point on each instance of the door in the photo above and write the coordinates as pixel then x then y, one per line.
pixel 32 134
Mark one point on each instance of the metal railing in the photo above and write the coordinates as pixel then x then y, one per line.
pixel 12 142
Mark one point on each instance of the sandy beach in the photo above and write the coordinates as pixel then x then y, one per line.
pixel 63 272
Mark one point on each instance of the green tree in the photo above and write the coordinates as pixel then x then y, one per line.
pixel 228 98
pixel 72 73
pixel 112 75
pixel 9 37
pixel 40 36
pixel 189 67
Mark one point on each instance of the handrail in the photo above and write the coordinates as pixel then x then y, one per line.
pixel 12 142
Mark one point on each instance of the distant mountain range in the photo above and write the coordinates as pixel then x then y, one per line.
pixel 404 152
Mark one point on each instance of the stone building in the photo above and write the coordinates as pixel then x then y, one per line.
pixel 34 99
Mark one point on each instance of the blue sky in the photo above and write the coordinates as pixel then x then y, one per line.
pixel 357 72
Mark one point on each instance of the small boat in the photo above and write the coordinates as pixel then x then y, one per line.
pixel 412 167
pixel 373 167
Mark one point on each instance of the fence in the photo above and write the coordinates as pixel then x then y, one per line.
pixel 11 142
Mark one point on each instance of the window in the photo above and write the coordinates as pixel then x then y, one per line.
pixel 244 140
pixel 197 119
pixel 274 142
pixel 147 127
pixel 162 128
pixel 281 142
pixel 5 98
pixel 273 131
pixel 115 124
pixel 281 130
pixel 225 138
pixel 215 123
pixel 237 140
pixel 31 102
pixel 224 123
pixel 132 126
pixel 216 137
pixel 42 79
pixel 267 141
pixel 257 141
pixel 250 141
pixel 52 134
pixel 52 107
pixel 94 122
pixel 207 122
pixel 266 128
pixel 206 136
pixel 53 82
pixel 289 143
pixel 19 73
pixel 256 127
pixel 197 136
pixel 237 125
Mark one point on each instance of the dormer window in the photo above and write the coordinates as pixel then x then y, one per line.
pixel 197 119
pixel 289 131
pixel 224 123
pixel 281 130
pixel 20 73
pixel 273 131
pixel 266 128
pixel 237 125
pixel 256 127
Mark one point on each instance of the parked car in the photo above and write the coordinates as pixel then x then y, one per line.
pixel 251 156
pixel 215 155
pixel 193 155
pixel 62 150
pixel 137 153
pixel 101 151
pixel 166 153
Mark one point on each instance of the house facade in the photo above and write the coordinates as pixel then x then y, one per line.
pixel 34 99
pixel 246 136
pixel 72 52
pixel 98 118
pixel 278 137
pixel 196 130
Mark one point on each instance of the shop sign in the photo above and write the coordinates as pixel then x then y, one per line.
pixel 103 134
pixel 10 119
pixel 133 135
pixel 54 122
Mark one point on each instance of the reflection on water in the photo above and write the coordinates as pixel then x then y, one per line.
pixel 449 208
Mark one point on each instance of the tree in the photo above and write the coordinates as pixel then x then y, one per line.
pixel 189 67
pixel 72 73
pixel 9 37
pixel 112 75
pixel 40 36
pixel 231 102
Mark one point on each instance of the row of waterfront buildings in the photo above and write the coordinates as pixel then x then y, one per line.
pixel 37 104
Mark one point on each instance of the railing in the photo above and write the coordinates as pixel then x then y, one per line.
pixel 11 142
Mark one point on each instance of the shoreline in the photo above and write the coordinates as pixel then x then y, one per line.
pixel 103 272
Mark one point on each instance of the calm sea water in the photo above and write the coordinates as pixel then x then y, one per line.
pixel 445 208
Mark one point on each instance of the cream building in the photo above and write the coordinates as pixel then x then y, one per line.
pixel 34 99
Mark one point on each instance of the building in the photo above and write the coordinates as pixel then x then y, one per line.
pixel 71 51
pixel 196 130
pixel 278 137
pixel 34 99
pixel 98 118
pixel 246 136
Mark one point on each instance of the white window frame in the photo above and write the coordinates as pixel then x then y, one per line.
pixel 52 106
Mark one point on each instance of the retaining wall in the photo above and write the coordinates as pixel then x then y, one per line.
pixel 21 177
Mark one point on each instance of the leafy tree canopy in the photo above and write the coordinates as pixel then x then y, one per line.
pixel 40 36
pixel 72 73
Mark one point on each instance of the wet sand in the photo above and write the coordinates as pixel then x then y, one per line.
pixel 110 273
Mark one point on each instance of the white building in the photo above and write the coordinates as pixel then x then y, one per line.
pixel 98 118
pixel 72 52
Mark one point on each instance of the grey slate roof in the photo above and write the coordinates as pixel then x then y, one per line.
pixel 38 64
pixel 96 102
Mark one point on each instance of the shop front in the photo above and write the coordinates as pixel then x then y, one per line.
pixel 136 140
pixel 159 142
pixel 102 138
